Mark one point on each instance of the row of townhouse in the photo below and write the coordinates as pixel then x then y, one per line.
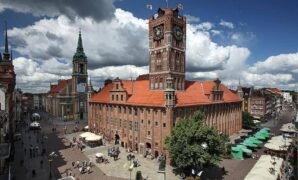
pixel 263 104
pixel 7 109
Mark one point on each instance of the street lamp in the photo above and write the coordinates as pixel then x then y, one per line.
pixel 50 162
pixel 130 169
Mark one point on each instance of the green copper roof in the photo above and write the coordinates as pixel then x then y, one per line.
pixel 80 50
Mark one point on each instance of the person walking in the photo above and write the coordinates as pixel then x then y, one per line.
pixel 78 163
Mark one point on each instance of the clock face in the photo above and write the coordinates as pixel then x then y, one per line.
pixel 158 32
pixel 178 34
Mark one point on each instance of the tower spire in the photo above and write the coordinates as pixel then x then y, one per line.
pixel 6 40
pixel 6 55
pixel 79 54
pixel 80 43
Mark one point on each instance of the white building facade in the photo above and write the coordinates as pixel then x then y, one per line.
pixel 287 97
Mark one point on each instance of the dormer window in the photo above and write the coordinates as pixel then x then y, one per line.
pixel 117 86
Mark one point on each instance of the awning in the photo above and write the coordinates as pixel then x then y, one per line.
pixel 245 149
pixel 278 143
pixel 255 140
pixel 289 127
pixel 261 169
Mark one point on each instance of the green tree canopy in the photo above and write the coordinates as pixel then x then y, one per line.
pixel 247 120
pixel 186 143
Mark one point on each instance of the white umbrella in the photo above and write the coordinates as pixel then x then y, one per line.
pixel 86 127
pixel 98 155
pixel 86 134
pixel 94 137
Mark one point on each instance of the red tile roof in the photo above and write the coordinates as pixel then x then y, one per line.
pixel 56 88
pixel 196 92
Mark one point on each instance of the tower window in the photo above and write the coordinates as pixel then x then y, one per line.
pixel 81 68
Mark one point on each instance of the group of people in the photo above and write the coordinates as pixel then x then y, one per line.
pixel 77 143
pixel 84 166
pixel 114 152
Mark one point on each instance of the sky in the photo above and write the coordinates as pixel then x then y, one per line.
pixel 247 41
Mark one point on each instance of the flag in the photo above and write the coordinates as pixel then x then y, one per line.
pixel 180 6
pixel 149 6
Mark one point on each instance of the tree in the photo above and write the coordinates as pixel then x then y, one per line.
pixel 247 120
pixel 192 143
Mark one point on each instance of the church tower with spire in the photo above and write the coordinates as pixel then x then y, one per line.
pixel 7 74
pixel 79 80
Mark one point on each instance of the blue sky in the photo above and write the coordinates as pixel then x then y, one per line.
pixel 257 38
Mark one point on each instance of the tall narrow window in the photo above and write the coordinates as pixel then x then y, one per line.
pixel 81 68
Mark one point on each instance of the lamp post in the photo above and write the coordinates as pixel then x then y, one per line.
pixel 162 166
pixel 130 168
pixel 50 162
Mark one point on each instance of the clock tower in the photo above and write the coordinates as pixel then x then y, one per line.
pixel 167 39
pixel 79 80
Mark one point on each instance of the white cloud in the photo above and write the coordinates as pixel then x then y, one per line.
pixel 119 48
pixel 226 24
pixel 282 63
pixel 242 38
pixel 215 32
pixel 192 19
pixel 204 26
pixel 267 80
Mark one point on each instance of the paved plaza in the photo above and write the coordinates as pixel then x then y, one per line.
pixel 148 167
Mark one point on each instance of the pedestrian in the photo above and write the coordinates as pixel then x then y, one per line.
pixel 88 169
pixel 73 164
pixel 78 163
pixel 31 153
pixel 33 173
pixel 41 163
pixel 25 150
